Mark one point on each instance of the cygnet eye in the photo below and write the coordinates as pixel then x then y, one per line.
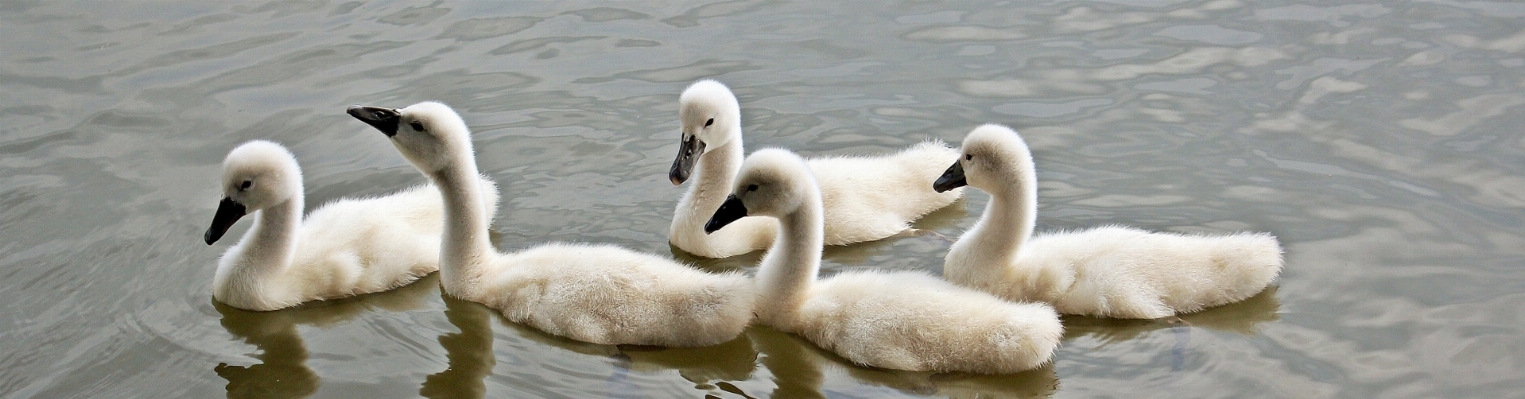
pixel 752 187
pixel 709 122
pixel 419 126
pixel 968 157
pixel 246 185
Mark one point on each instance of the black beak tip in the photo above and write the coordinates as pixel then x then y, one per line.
pixel 677 177
pixel 951 179
pixel 946 186
pixel 730 211
pixel 688 154
pixel 383 119
pixel 943 186
pixel 228 211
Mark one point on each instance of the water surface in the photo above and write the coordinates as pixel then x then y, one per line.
pixel 1378 141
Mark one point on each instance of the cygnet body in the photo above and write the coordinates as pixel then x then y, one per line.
pixel 1111 271
pixel 866 198
pixel 595 293
pixel 347 247
pixel 897 320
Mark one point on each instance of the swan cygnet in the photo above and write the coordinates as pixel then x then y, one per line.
pixel 897 320
pixel 867 198
pixel 346 247
pixel 1110 271
pixel 594 293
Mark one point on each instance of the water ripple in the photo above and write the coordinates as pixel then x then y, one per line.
pixel 1376 141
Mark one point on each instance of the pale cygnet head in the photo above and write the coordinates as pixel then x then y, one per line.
pixel 256 175
pixel 711 117
pixel 993 158
pixel 773 182
pixel 429 135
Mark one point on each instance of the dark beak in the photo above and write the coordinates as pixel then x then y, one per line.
pixel 228 212
pixel 953 178
pixel 383 119
pixel 688 153
pixel 731 210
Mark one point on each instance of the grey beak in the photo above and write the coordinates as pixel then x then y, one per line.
pixel 383 119
pixel 729 212
pixel 688 153
pixel 951 179
pixel 228 211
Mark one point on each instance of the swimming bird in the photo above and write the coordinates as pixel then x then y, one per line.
pixel 347 247
pixel 866 198
pixel 897 320
pixel 594 293
pixel 1110 271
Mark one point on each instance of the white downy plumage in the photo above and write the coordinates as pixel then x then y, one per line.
pixel 1110 271
pixel 898 320
pixel 347 247
pixel 866 197
pixel 595 293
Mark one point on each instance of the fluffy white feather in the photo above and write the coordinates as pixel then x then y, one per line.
pixel 595 293
pixel 347 247
pixel 1111 271
pixel 866 197
pixel 900 320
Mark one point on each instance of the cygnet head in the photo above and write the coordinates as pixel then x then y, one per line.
pixel 993 158
pixel 773 182
pixel 256 175
pixel 711 117
pixel 429 135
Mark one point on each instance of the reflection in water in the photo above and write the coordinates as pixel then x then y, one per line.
pixel 706 367
pixel 730 361
pixel 798 370
pixel 691 366
pixel 469 352
pixel 1168 359
pixel 792 361
pixel 282 371
pixel 1240 317
pixel 1376 139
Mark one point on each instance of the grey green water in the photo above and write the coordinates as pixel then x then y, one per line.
pixel 1381 142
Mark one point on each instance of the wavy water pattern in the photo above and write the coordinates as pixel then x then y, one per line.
pixel 1379 142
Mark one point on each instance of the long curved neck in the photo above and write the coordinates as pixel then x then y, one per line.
pixel 1007 224
pixel 250 273
pixel 788 271
pixel 465 245
pixel 713 176
pixel 269 246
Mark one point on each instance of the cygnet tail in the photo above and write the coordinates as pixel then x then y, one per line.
pixel 1257 256
pixel 1249 262
pixel 1032 336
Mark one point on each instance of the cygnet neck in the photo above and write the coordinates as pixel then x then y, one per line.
pixel 714 175
pixel 789 269
pixel 1007 223
pixel 465 244
pixel 268 248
